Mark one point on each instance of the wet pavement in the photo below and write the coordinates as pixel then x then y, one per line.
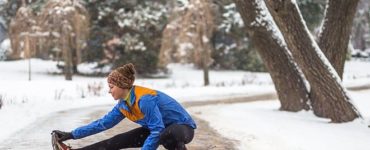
pixel 37 136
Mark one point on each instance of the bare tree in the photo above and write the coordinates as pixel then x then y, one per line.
pixel 199 20
pixel 169 47
pixel 333 41
pixel 189 35
pixel 67 23
pixel 62 25
pixel 21 27
pixel 308 55
pixel 293 96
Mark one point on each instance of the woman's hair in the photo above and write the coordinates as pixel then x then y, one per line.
pixel 127 70
pixel 123 76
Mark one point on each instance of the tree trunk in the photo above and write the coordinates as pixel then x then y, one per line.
pixel 206 75
pixel 334 38
pixel 333 41
pixel 67 54
pixel 293 96
pixel 317 69
pixel 205 52
pixel 28 53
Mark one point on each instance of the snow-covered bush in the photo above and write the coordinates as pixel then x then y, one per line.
pixel 1 101
pixel 232 48
pixel 4 49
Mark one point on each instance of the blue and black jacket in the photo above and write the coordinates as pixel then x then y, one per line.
pixel 151 109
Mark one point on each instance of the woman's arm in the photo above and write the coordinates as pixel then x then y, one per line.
pixel 107 122
pixel 153 119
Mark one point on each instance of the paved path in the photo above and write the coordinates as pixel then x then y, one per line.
pixel 37 135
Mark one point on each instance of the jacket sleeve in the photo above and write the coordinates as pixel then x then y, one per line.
pixel 104 123
pixel 153 119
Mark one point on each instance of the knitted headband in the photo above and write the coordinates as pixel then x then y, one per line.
pixel 123 77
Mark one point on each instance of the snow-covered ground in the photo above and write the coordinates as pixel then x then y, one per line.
pixel 261 126
pixel 25 101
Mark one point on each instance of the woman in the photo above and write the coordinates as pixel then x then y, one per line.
pixel 163 120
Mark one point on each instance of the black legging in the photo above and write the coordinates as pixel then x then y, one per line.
pixel 174 137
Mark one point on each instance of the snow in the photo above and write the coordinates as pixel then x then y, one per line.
pixel 231 17
pixel 27 101
pixel 4 48
pixel 360 53
pixel 141 17
pixel 260 126
pixel 3 1
pixel 184 47
pixel 316 47
pixel 323 22
pixel 265 19
pixel 332 72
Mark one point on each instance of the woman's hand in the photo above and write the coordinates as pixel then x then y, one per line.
pixel 63 136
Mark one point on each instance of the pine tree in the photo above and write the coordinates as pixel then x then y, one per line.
pixel 126 31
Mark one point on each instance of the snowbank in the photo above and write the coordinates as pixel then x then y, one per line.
pixel 260 126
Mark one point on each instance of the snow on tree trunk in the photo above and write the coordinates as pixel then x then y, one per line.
pixel 333 41
pixel 316 67
pixel 334 38
pixel 287 78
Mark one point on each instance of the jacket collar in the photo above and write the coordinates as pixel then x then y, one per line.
pixel 129 98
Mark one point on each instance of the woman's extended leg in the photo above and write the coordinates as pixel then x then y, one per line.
pixel 130 139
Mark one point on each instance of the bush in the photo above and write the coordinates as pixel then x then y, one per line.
pixel 145 61
pixel 228 55
pixel 1 101
pixel 232 48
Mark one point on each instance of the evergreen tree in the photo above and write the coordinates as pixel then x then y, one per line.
pixel 232 47
pixel 312 12
pixel 126 31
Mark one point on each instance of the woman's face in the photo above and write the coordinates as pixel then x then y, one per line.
pixel 117 92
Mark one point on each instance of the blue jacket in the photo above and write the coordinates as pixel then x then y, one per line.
pixel 151 109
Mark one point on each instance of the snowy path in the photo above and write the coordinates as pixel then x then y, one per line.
pixel 37 135
pixel 205 136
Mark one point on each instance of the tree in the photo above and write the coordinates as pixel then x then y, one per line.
pixel 192 41
pixel 316 67
pixel 126 31
pixel 3 24
pixel 199 20
pixel 361 26
pixel 339 17
pixel 312 12
pixel 233 48
pixel 66 24
pixel 19 31
pixel 264 34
